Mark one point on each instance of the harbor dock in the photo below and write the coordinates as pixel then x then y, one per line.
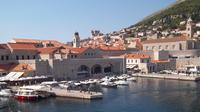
pixel 60 92
pixel 169 76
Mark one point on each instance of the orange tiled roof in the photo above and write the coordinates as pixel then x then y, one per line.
pixel 175 39
pixel 20 40
pixel 159 61
pixel 47 50
pixel 4 46
pixel 21 46
pixel 35 41
pixel 21 67
pixel 136 56
pixel 15 67
pixel 77 50
pixel 111 48
pixel 4 67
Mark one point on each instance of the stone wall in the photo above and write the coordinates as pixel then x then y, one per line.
pixel 187 61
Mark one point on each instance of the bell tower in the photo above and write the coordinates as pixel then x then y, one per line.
pixel 76 40
pixel 189 30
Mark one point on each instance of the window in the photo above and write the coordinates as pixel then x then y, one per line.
pixel 17 57
pixel 22 57
pixel 166 47
pixel 135 61
pixel 72 56
pixel 34 57
pixel 131 61
pixel 173 46
pixel 2 57
pixel 75 56
pixel 180 47
pixel 28 57
pixel 7 57
pixel 128 61
pixel 142 61
pixel 160 47
pixel 147 47
pixel 153 47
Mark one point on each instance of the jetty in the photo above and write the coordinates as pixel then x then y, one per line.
pixel 59 92
pixel 170 76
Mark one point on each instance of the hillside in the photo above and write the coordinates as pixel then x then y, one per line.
pixel 170 17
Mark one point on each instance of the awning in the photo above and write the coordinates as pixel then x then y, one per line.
pixel 131 66
pixel 13 75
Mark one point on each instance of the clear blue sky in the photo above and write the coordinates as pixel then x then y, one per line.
pixel 59 19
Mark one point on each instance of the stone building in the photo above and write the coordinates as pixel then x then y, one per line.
pixel 59 61
pixel 141 62
pixel 171 44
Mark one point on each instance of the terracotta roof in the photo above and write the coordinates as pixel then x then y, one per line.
pixel 159 61
pixel 5 67
pixel 35 41
pixel 111 48
pixel 4 46
pixel 21 46
pixel 48 50
pixel 77 50
pixel 175 39
pixel 15 67
pixel 136 56
pixel 21 67
pixel 20 40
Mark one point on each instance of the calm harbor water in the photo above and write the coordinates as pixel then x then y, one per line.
pixel 145 95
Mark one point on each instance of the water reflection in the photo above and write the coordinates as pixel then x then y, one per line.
pixel 145 95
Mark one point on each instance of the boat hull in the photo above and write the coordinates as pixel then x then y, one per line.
pixel 26 98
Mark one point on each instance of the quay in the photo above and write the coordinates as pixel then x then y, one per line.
pixel 169 76
pixel 60 92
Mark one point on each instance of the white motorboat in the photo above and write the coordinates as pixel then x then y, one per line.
pixel 28 95
pixel 122 82
pixel 6 93
pixel 131 79
pixel 108 84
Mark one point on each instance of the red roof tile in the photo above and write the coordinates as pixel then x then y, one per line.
pixel 48 50
pixel 15 67
pixel 21 46
pixel 175 39
pixel 35 41
pixel 111 48
pixel 4 46
pixel 136 56
pixel 77 50
pixel 5 67
pixel 159 61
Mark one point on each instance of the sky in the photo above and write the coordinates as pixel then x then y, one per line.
pixel 59 19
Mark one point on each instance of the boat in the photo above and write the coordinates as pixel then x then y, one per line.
pixel 122 82
pixel 6 93
pixel 131 79
pixel 26 95
pixel 108 84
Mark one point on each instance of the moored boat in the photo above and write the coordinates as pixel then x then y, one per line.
pixel 5 93
pixel 122 82
pixel 26 95
pixel 108 84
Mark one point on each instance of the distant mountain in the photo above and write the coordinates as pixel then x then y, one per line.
pixel 170 17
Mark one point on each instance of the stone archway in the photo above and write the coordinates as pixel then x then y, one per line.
pixel 108 68
pixel 96 69
pixel 83 70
